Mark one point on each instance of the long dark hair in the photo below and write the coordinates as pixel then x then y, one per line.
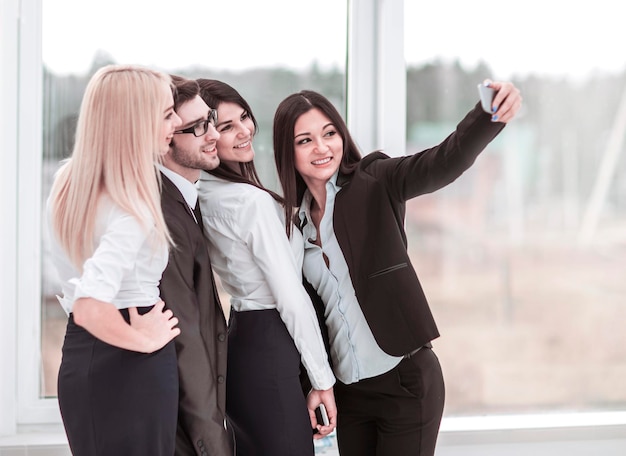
pixel 287 113
pixel 215 92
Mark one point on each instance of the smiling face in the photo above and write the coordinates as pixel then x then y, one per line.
pixel 318 148
pixel 188 154
pixel 171 121
pixel 236 131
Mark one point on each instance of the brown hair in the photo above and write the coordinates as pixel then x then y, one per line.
pixel 285 118
pixel 183 90
pixel 215 92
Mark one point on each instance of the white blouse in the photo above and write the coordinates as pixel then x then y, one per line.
pixel 125 268
pixel 259 266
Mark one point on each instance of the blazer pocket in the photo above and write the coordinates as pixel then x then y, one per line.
pixel 393 268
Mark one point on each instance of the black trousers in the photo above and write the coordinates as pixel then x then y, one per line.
pixel 264 400
pixel 394 414
pixel 117 402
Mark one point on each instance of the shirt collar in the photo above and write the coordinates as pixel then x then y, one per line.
pixel 186 188
pixel 331 188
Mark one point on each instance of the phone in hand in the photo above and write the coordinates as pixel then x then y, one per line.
pixel 321 415
pixel 486 97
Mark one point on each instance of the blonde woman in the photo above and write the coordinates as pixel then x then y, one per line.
pixel 118 382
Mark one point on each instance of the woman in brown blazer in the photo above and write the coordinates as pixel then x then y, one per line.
pixel 389 390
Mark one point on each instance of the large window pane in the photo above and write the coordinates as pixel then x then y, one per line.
pixel 523 256
pixel 266 50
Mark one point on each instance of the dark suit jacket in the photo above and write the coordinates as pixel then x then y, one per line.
pixel 188 288
pixel 369 225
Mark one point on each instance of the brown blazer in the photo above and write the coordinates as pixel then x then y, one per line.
pixel 188 288
pixel 369 225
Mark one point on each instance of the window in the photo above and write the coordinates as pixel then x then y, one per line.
pixel 522 257
pixel 264 60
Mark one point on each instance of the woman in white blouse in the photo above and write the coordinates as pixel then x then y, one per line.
pixel 273 326
pixel 118 381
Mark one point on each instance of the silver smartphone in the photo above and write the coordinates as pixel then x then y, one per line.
pixel 322 416
pixel 486 97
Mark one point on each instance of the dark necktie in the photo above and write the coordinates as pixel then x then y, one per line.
pixel 197 213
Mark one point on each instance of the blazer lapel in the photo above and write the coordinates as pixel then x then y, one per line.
pixel 170 188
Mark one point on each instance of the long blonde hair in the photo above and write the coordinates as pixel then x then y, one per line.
pixel 117 145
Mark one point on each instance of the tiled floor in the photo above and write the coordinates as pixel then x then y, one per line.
pixel 326 447
pixel 49 442
pixel 35 451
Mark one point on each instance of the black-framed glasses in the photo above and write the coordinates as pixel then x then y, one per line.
pixel 200 128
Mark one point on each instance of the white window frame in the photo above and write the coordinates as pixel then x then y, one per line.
pixel 8 209
pixel 31 408
pixel 376 113
pixel 376 76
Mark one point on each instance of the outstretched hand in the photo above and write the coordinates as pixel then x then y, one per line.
pixel 507 100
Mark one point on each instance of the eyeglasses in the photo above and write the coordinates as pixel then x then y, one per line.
pixel 200 128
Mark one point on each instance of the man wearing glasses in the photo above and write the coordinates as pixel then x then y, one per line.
pixel 188 286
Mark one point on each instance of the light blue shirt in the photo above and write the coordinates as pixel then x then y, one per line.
pixel 354 351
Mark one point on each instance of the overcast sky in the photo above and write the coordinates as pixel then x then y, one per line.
pixel 556 37
pixel 553 37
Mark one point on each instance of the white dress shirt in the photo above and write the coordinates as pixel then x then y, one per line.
pixel 125 268
pixel 252 255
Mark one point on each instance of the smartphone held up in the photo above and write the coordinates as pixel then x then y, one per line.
pixel 486 97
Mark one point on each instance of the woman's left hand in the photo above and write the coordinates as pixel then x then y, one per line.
pixel 314 399
pixel 507 100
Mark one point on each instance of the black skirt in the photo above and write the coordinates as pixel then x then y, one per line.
pixel 265 403
pixel 117 402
